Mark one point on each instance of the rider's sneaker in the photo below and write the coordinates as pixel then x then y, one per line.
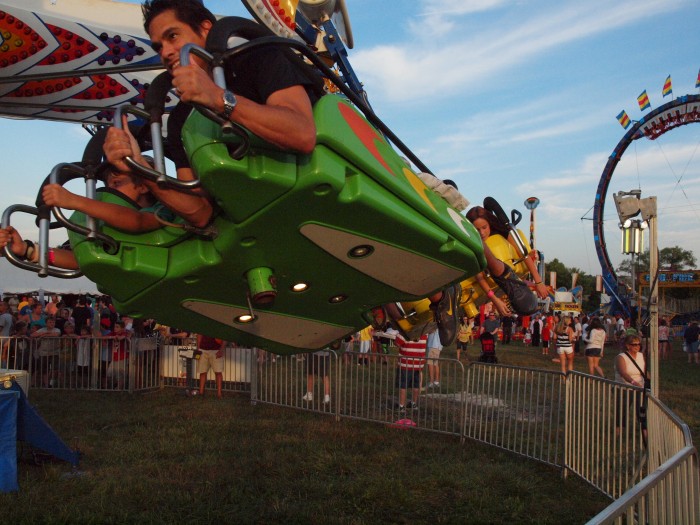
pixel 522 299
pixel 445 313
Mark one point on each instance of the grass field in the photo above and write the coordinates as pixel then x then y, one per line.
pixel 166 458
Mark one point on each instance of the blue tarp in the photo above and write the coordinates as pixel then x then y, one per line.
pixel 8 440
pixel 19 421
pixel 32 429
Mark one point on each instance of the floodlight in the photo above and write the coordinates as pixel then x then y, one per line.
pixel 632 237
pixel 627 204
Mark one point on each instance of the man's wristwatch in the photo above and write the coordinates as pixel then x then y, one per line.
pixel 229 103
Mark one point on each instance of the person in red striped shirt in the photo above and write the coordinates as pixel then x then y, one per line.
pixel 411 363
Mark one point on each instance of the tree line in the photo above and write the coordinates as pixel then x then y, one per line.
pixel 673 258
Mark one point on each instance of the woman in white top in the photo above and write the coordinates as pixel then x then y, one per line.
pixel 594 337
pixel 630 369
pixel 630 366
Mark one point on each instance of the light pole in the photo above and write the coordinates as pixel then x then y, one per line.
pixel 531 203
pixel 630 204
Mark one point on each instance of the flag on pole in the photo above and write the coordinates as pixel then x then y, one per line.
pixel 668 87
pixel 697 82
pixel 624 119
pixel 643 101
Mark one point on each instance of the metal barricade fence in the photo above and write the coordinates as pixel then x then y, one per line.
pixel 90 363
pixel 15 353
pixel 670 490
pixel 667 495
pixel 586 425
pixel 144 370
pixel 373 387
pixel 516 409
pixel 282 380
pixel 605 441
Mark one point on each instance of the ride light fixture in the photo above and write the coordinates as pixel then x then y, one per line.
pixel 300 287
pixel 244 319
pixel 358 252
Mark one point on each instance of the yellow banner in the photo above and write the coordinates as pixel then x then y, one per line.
pixel 566 307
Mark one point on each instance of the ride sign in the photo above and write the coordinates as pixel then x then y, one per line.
pixel 673 278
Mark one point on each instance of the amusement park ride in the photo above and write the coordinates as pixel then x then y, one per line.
pixel 304 249
pixel 678 112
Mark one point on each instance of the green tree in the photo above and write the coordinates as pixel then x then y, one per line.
pixel 673 258
pixel 591 299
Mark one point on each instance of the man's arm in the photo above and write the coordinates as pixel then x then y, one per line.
pixel 286 119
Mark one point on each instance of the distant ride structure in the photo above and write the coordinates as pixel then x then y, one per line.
pixel 675 113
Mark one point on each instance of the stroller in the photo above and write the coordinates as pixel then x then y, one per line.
pixel 488 349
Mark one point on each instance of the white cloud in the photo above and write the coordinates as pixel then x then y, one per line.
pixel 454 62
pixel 439 17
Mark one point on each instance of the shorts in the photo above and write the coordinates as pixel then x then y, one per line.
pixel 318 364
pixel 462 345
pixel 693 347
pixel 593 352
pixel 208 360
pixel 568 350
pixel 433 356
pixel 407 378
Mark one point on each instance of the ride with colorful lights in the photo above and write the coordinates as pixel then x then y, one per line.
pixel 304 248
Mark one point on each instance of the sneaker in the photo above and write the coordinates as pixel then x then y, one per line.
pixel 308 397
pixel 436 384
pixel 326 399
pixel 445 314
pixel 522 299
pixel 431 385
pixel 399 407
pixel 412 405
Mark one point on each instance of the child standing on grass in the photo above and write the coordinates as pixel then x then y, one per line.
pixel 411 362
pixel 318 364
pixel 82 359
pixel 118 368
pixel 463 336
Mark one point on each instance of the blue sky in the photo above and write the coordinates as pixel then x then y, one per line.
pixel 510 99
